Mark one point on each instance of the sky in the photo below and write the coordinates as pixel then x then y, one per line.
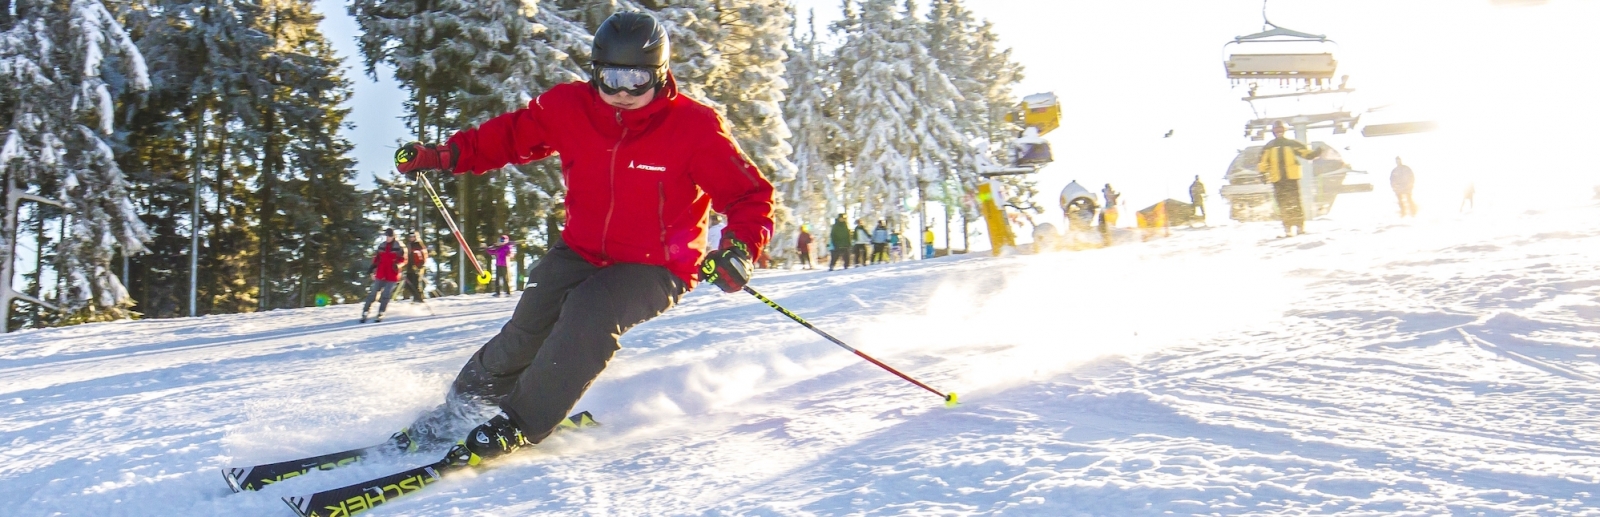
pixel 1514 107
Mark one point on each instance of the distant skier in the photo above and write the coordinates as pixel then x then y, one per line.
pixel 385 271
pixel 1402 180
pixel 1280 161
pixel 803 247
pixel 416 259
pixel 1197 196
pixel 643 165
pixel 839 243
pixel 860 238
pixel 1108 215
pixel 502 251
pixel 1466 197
pixel 927 243
pixel 880 244
pixel 896 254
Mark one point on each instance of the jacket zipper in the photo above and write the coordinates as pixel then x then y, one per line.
pixel 605 231
pixel 661 215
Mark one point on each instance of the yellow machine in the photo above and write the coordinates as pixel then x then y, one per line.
pixel 1040 113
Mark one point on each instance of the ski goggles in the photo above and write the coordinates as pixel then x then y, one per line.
pixel 615 79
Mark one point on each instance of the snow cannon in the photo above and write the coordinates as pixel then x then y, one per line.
pixel 1041 111
pixel 1079 207
pixel 1039 114
pixel 950 400
pixel 1031 150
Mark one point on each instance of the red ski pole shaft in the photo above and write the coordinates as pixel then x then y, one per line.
pixel 949 398
pixel 448 221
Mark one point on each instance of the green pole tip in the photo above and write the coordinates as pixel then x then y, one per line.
pixel 950 400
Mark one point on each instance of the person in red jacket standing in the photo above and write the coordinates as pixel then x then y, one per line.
pixel 644 165
pixel 803 246
pixel 385 271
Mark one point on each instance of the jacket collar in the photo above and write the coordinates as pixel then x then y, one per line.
pixel 634 119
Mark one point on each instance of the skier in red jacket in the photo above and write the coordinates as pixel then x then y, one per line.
pixel 643 166
pixel 385 271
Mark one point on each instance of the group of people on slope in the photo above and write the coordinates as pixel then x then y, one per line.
pixel 852 245
pixel 392 260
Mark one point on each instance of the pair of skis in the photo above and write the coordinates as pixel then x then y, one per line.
pixel 360 497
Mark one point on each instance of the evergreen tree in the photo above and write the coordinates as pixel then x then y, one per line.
pixel 812 194
pixel 967 52
pixel 895 102
pixel 750 90
pixel 465 63
pixel 64 63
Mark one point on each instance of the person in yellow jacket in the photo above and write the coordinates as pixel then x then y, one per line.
pixel 1279 163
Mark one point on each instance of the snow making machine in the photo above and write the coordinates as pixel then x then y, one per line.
pixel 1039 114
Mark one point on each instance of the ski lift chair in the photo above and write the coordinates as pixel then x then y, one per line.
pixel 1312 68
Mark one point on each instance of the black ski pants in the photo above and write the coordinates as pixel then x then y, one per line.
pixel 413 290
pixel 1287 194
pixel 564 330
pixel 839 253
pixel 502 280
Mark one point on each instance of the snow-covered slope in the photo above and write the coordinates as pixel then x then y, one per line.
pixel 1440 366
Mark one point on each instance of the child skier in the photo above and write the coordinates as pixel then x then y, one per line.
pixel 644 165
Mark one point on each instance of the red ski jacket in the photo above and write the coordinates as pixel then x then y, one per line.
pixel 639 182
pixel 391 255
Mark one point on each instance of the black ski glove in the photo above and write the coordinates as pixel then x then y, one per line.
pixel 727 268
pixel 417 156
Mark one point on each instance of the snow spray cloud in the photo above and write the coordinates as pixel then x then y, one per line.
pixel 1034 317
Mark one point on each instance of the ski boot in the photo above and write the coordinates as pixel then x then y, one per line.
pixel 379 318
pixel 497 437
pixel 363 316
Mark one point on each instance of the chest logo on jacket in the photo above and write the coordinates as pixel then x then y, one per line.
pixel 641 166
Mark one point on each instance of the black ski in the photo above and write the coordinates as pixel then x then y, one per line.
pixel 257 477
pixel 360 497
pixel 254 478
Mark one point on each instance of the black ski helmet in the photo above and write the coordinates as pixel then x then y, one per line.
pixel 634 40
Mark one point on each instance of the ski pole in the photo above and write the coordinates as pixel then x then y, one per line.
pixel 949 398
pixel 483 276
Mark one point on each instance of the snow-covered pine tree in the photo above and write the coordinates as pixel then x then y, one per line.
pixel 812 195
pixel 466 62
pixel 967 51
pixel 195 122
pixel 749 89
pixel 895 101
pixel 518 57
pixel 942 150
pixel 63 63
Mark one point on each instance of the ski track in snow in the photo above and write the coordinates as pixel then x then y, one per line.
pixel 1437 366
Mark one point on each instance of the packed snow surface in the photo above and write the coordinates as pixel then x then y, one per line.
pixel 1439 366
